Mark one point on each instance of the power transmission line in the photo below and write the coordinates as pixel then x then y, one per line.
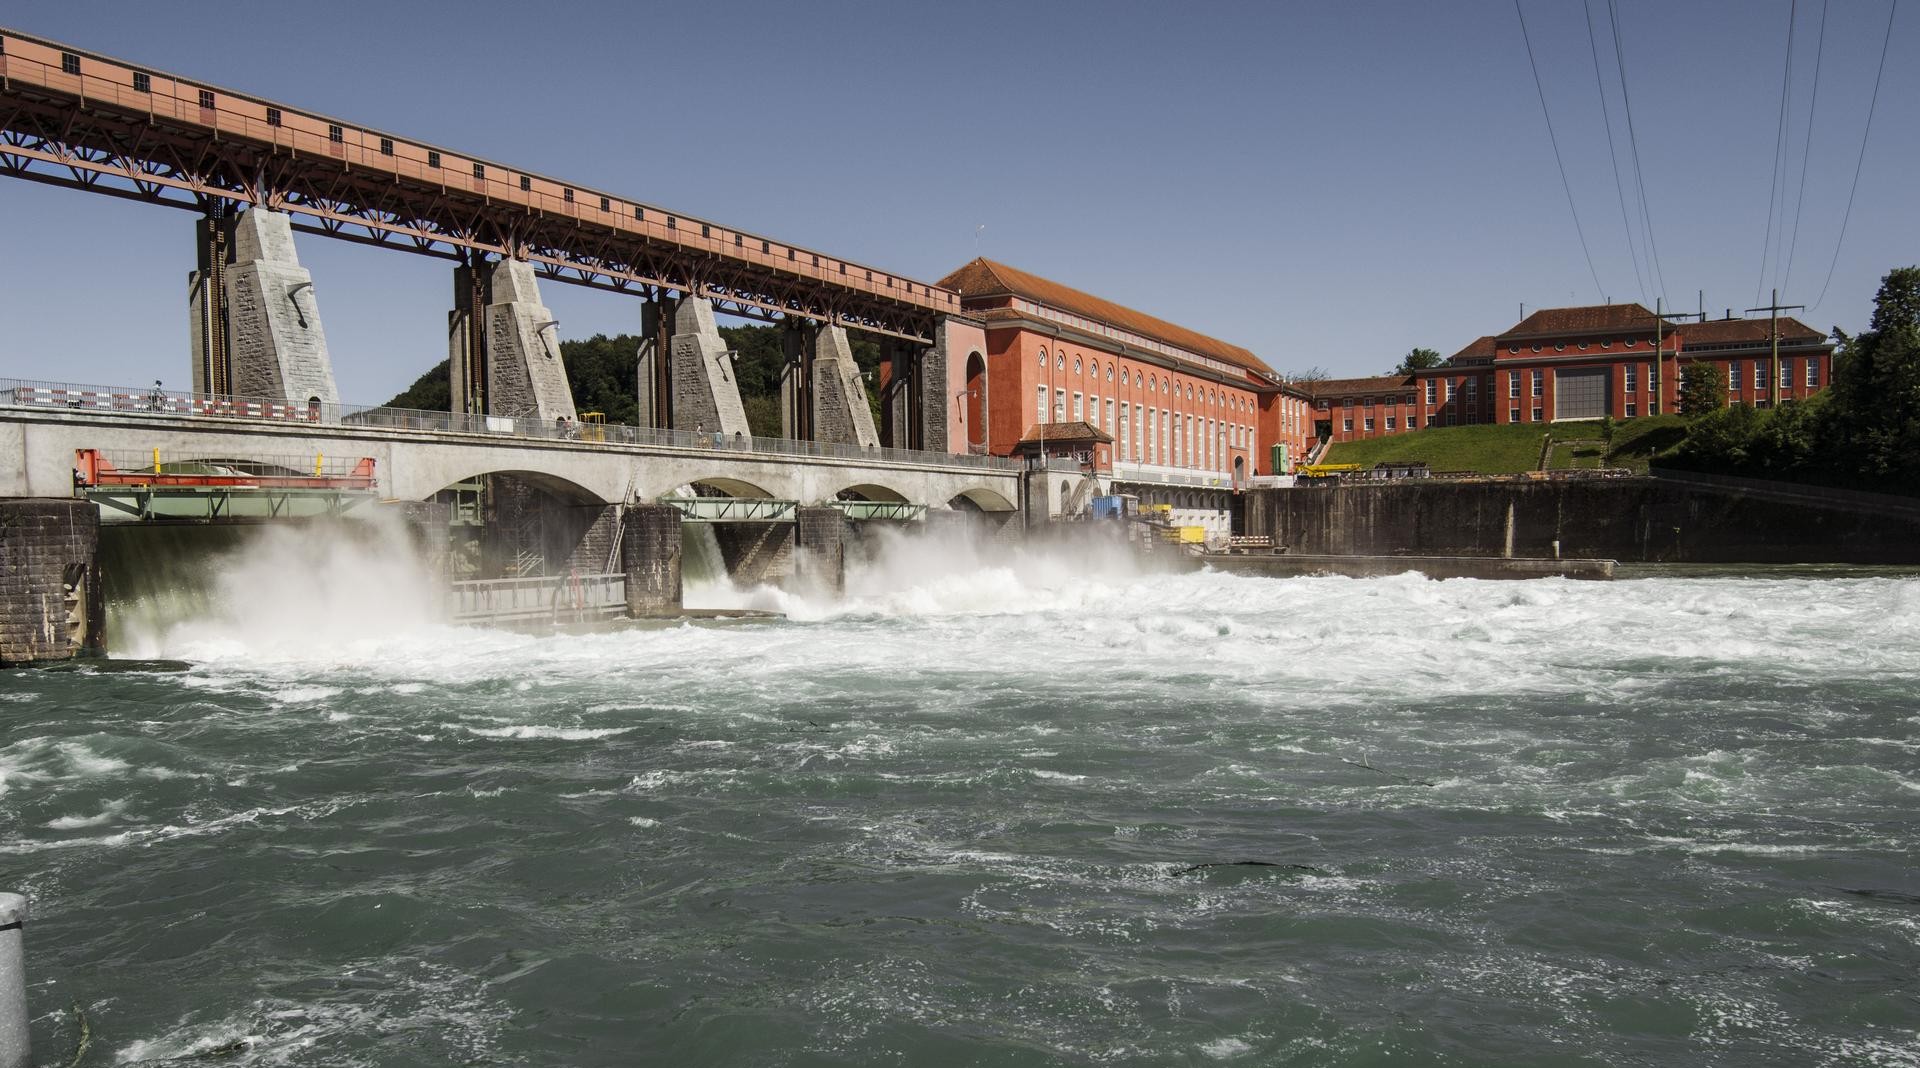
pixel 1779 147
pixel 1555 141
pixel 1857 165
pixel 1806 154
pixel 1619 188
pixel 1633 143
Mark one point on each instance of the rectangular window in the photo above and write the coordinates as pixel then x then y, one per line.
pixel 273 116
pixel 1040 404
pixel 1473 388
pixel 206 99
pixel 1346 402
pixel 69 63
pixel 1451 418
pixel 1538 378
pixel 142 83
pixel 386 146
pixel 1390 425
pixel 1076 407
pixel 1733 377
pixel 526 184
pixel 1632 410
pixel 433 160
pixel 1536 415
pixel 606 204
pixel 1346 426
pixel 1432 391
pixel 1366 402
pixel 1110 427
pixel 1513 415
pixel 1813 373
pixel 1632 384
pixel 336 134
pixel 1059 405
pixel 480 171
pixel 1759 375
pixel 1513 384
pixel 1786 374
pixel 566 195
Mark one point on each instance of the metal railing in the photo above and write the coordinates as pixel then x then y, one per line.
pixel 155 401
pixel 562 598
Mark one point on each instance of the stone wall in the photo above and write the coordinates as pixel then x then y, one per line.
pixel 51 604
pixel 706 396
pixel 650 553
pixel 525 373
pixel 841 414
pixel 1636 519
pixel 822 536
pixel 273 317
pixel 756 554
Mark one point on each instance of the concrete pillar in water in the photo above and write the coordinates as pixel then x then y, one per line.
pixel 822 535
pixel 650 554
pixel 706 396
pixel 279 351
pixel 15 1043
pixel 51 603
pixel 526 377
pixel 841 414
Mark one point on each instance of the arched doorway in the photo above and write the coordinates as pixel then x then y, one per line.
pixel 977 408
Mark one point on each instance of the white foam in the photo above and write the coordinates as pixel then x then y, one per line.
pixel 565 734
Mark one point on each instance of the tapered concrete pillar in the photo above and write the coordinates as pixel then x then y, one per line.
pixel 706 396
pixel 650 554
pixel 526 377
pixel 51 603
pixel 841 414
pixel 279 350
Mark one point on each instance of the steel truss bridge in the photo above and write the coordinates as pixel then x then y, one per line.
pixel 74 118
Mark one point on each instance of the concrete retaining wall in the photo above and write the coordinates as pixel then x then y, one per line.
pixel 51 606
pixel 1635 519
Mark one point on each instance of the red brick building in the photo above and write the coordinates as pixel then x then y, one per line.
pixel 1180 407
pixel 1578 363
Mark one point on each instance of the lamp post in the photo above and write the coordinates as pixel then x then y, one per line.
pixel 982 448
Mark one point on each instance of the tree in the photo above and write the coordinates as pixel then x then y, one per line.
pixel 1874 418
pixel 1316 373
pixel 1417 360
pixel 1703 388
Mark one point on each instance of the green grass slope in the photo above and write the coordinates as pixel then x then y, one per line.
pixel 1492 449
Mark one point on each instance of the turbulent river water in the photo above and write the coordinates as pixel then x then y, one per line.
pixel 985 811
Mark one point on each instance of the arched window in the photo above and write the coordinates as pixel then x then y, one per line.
pixel 1043 359
pixel 1059 361
pixel 1076 365
pixel 1109 372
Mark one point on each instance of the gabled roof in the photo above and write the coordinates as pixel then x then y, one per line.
pixel 1481 347
pixel 983 277
pixel 1078 430
pixel 1724 331
pixel 1333 387
pixel 1587 319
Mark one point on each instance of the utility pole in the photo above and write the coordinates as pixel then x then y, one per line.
pixel 1773 311
pixel 1658 376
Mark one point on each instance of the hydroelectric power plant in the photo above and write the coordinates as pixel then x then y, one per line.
pixel 972 723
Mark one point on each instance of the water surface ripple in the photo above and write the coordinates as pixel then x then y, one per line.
pixel 961 821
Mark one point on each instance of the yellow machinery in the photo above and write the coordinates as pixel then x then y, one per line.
pixel 1325 470
pixel 593 426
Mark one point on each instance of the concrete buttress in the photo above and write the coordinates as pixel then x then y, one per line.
pixel 650 555
pixel 841 414
pixel 525 374
pixel 706 395
pixel 278 348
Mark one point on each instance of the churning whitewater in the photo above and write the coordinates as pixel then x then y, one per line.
pixel 1009 807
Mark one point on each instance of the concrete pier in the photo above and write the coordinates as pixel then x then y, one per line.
pixel 51 600
pixel 756 554
pixel 821 537
pixel 15 1044
pixel 706 396
pixel 650 551
pixel 841 414
pixel 279 350
pixel 526 377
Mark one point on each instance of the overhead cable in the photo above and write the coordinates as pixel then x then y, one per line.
pixel 1619 187
pixel 1633 143
pixel 1848 214
pixel 1555 141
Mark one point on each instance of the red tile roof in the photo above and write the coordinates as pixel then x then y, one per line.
pixel 1064 433
pixel 985 278
pixel 1587 319
pixel 1334 387
pixel 1481 348
pixel 1724 331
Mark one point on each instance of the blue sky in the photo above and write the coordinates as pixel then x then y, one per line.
pixel 1326 184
